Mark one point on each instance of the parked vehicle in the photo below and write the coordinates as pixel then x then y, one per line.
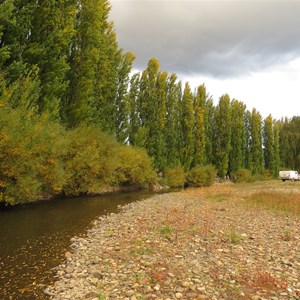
pixel 289 175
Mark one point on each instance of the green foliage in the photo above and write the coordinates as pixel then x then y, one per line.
pixel 256 150
pixel 290 143
pixel 40 159
pixel 201 176
pixel 242 175
pixel 122 101
pixel 199 128
pixel 233 237
pixel 175 176
pixel 30 153
pixel 172 131
pixel 90 161
pixel 223 135
pixel 271 146
pixel 133 110
pixel 134 167
pixel 238 137
pixel 187 150
pixel 24 92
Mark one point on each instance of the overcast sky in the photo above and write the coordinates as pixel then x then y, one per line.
pixel 248 49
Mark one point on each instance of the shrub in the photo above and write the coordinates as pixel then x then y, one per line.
pixel 134 167
pixel 174 177
pixel 201 176
pixel 242 175
pixel 90 161
pixel 30 149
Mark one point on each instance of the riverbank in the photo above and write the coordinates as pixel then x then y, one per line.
pixel 196 244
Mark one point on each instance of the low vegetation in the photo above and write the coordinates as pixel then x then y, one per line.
pixel 201 176
pixel 41 159
pixel 174 177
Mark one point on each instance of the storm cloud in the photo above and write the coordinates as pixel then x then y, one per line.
pixel 222 39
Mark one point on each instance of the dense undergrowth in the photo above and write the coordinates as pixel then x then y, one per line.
pixel 41 159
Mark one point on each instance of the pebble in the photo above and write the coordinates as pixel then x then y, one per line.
pixel 126 257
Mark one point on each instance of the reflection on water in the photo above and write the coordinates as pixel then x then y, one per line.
pixel 35 237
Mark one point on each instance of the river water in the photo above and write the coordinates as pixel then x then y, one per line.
pixel 34 238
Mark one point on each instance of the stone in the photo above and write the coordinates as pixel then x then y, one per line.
pixel 68 254
pixel 97 274
pixel 178 295
pixel 91 295
pixel 69 269
pixel 129 293
pixel 48 293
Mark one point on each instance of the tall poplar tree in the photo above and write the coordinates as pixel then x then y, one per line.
pixel 247 125
pixel 223 135
pixel 268 145
pixel 160 145
pixel 133 109
pixel 38 40
pixel 290 143
pixel 7 20
pixel 95 63
pixel 152 109
pixel 238 139
pixel 256 150
pixel 172 128
pixel 17 18
pixel 121 103
pixel 187 151
pixel 50 38
pixel 276 130
pixel 199 128
pixel 209 130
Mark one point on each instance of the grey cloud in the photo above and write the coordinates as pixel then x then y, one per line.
pixel 218 38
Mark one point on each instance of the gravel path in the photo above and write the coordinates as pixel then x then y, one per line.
pixel 184 246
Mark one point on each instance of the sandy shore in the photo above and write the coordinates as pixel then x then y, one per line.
pixel 184 246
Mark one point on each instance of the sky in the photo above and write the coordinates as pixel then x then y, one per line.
pixel 249 49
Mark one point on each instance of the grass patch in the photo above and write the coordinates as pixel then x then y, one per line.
pixel 101 297
pixel 287 235
pixel 141 251
pixel 275 201
pixel 233 237
pixel 165 230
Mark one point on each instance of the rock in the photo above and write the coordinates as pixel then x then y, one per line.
pixel 68 254
pixel 94 281
pixel 127 257
pixel 129 293
pixel 286 262
pixel 48 293
pixel 91 295
pixel 97 274
pixel 69 269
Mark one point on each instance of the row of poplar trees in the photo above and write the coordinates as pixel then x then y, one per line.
pixel 179 126
pixel 61 58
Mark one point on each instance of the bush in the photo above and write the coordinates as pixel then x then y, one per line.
pixel 201 176
pixel 30 154
pixel 90 161
pixel 40 159
pixel 242 175
pixel 134 167
pixel 174 177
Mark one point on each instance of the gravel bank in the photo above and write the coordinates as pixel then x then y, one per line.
pixel 184 246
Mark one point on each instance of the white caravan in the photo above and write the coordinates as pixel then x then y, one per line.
pixel 289 175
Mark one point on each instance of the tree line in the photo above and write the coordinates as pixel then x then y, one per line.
pixel 62 75
pixel 179 126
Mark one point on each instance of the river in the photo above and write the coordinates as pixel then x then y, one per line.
pixel 34 238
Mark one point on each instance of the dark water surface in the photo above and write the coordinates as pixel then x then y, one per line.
pixel 34 238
